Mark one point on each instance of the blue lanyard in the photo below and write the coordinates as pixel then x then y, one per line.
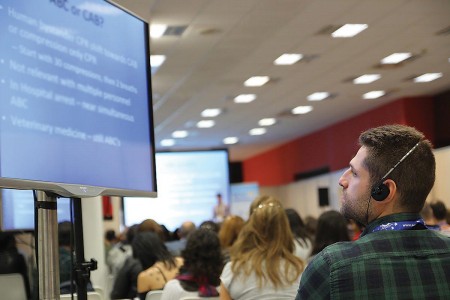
pixel 401 225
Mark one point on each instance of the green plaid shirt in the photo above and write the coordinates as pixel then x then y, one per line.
pixel 405 264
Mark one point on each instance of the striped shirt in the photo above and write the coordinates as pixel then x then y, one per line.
pixel 386 264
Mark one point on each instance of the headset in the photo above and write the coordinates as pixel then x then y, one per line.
pixel 380 191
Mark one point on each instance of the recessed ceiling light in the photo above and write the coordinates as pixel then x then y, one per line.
pixel 211 112
pixel 157 60
pixel 244 98
pixel 428 77
pixel 367 78
pixel 157 30
pixel 257 131
pixel 349 30
pixel 180 134
pixel 319 96
pixel 395 58
pixel 300 110
pixel 206 124
pixel 288 59
pixel 167 142
pixel 374 94
pixel 230 140
pixel 267 122
pixel 257 81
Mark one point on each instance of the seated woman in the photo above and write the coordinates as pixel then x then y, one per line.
pixel 159 265
pixel 200 274
pixel 263 264
pixel 228 233
pixel 302 241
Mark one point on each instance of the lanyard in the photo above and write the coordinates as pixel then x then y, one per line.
pixel 401 225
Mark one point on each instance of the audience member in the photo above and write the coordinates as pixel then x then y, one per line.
pixel 440 216
pixel 159 265
pixel 210 225
pixel 228 233
pixel 302 240
pixel 427 215
pixel 11 261
pixel 121 251
pixel 176 246
pixel 396 257
pixel 66 258
pixel 311 226
pixel 200 274
pixel 331 228
pixel 150 225
pixel 355 229
pixel 110 240
pixel 125 282
pixel 263 264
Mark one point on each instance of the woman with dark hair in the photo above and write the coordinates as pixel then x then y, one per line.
pixel 200 274
pixel 159 265
pixel 331 228
pixel 263 264
pixel 148 248
pixel 302 240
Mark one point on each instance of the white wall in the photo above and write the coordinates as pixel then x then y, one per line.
pixel 303 195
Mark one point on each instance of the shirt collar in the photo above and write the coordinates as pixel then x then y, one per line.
pixel 390 218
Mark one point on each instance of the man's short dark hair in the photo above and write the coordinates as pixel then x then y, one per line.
pixel 415 176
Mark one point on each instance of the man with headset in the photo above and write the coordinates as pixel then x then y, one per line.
pixel 396 257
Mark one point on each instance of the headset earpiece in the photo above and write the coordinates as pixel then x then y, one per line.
pixel 380 192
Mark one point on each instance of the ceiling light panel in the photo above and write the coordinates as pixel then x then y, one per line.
pixel 349 30
pixel 374 94
pixel 257 131
pixel 288 59
pixel 367 78
pixel 167 142
pixel 319 96
pixel 301 110
pixel 157 30
pixel 230 140
pixel 211 112
pixel 257 81
pixel 428 77
pixel 179 134
pixel 206 124
pixel 267 122
pixel 244 98
pixel 396 58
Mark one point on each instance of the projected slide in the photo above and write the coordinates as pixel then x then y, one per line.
pixel 74 94
pixel 188 183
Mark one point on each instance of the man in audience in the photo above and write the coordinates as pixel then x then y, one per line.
pixel 175 247
pixel 440 214
pixel 396 256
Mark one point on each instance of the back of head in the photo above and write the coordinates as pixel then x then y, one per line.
pixel 150 225
pixel 229 230
pixel 148 249
pixel 415 176
pixel 64 233
pixel 331 228
pixel 203 256
pixel 186 228
pixel 210 225
pixel 439 210
pixel 296 223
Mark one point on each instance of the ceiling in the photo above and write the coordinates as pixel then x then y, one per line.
pixel 226 42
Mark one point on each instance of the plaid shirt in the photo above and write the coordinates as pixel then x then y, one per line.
pixel 405 264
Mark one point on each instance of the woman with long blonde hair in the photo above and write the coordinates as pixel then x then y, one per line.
pixel 263 265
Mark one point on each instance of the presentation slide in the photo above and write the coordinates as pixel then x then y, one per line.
pixel 18 209
pixel 188 183
pixel 75 94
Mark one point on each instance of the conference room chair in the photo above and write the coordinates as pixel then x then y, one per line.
pixel 154 295
pixel 90 296
pixel 12 286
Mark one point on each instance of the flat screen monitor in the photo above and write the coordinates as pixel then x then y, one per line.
pixel 188 182
pixel 76 108
pixel 17 210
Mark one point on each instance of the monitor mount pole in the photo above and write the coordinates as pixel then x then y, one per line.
pixel 82 267
pixel 47 244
